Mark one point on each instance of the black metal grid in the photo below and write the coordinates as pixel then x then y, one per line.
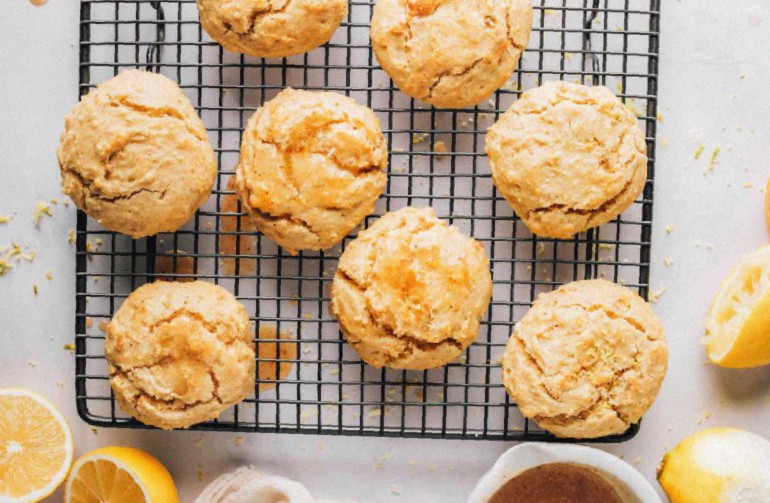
pixel 329 390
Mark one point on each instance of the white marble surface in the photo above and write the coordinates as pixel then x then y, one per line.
pixel 714 69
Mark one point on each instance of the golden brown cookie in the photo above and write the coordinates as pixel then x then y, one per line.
pixel 410 291
pixel 312 167
pixel 271 28
pixel 180 353
pixel 567 157
pixel 450 53
pixel 587 360
pixel 135 156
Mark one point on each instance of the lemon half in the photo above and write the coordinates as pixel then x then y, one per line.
pixel 738 326
pixel 35 447
pixel 119 475
pixel 718 465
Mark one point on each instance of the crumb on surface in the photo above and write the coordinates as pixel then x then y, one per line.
pixel 713 159
pixel 69 347
pixel 669 229
pixel 4 220
pixel 41 210
pixel 49 276
pixel 668 262
pixel 655 296
pixel 699 151
pixel 395 489
pixel 71 236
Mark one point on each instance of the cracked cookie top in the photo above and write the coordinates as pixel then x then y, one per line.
pixel 567 157
pixel 450 53
pixel 312 167
pixel 271 28
pixel 587 360
pixel 180 353
pixel 135 156
pixel 410 291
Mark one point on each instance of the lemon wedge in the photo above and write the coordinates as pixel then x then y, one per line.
pixel 35 447
pixel 718 465
pixel 119 475
pixel 738 326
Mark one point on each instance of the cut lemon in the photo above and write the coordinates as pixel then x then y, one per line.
pixel 718 465
pixel 738 326
pixel 35 447
pixel 119 475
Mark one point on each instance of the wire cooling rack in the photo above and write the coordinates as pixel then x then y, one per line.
pixel 436 159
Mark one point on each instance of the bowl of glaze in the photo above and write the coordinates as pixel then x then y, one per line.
pixel 630 485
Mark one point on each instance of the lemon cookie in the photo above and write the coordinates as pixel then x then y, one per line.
pixel 410 291
pixel 567 157
pixel 180 353
pixel 587 360
pixel 312 167
pixel 450 53
pixel 135 156
pixel 271 28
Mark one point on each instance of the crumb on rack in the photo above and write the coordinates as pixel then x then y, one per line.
pixel 439 147
pixel 103 324
pixel 418 137
pixel 89 322
pixel 41 209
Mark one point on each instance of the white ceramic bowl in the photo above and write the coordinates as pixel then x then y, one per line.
pixel 529 455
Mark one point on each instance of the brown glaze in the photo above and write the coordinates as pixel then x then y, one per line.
pixel 557 483
pixel 231 242
pixel 175 265
pixel 268 357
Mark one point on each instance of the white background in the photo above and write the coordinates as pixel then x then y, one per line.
pixel 714 91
